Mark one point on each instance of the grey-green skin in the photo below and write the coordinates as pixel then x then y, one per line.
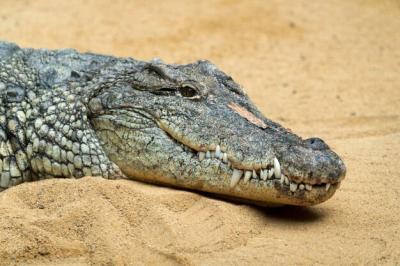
pixel 68 114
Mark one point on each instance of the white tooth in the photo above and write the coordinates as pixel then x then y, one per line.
pixel 308 187
pixel 266 172
pixel 263 174
pixel 277 168
pixel 327 186
pixel 208 155
pixel 218 151
pixel 236 175
pixel 225 158
pixel 229 164
pixel 286 180
pixel 293 187
pixel 255 174
pixel 301 186
pixel 247 176
pixel 270 173
pixel 202 155
pixel 212 155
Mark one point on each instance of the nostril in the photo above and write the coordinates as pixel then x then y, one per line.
pixel 316 144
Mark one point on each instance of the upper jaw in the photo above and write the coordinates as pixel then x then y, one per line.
pixel 270 173
pixel 273 171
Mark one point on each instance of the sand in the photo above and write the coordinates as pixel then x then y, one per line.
pixel 322 68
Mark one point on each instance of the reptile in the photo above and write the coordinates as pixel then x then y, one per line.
pixel 65 114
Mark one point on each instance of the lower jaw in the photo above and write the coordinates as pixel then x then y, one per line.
pixel 258 192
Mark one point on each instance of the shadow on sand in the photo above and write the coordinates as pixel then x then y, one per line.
pixel 293 214
pixel 290 214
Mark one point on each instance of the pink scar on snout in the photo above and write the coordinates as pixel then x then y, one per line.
pixel 243 112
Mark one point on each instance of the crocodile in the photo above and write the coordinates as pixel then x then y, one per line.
pixel 66 114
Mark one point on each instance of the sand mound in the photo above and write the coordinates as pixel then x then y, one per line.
pixel 100 221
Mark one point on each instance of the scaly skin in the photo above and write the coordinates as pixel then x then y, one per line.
pixel 66 114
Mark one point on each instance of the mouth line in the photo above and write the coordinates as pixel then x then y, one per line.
pixel 272 172
pixel 268 173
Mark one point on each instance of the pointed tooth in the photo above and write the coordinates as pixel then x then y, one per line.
pixel 225 158
pixel 218 151
pixel 301 187
pixel 247 176
pixel 263 174
pixel 286 180
pixel 236 175
pixel 208 155
pixel 202 155
pixel 267 174
pixel 308 187
pixel 327 186
pixel 277 168
pixel 293 187
pixel 255 174
pixel 270 173
pixel 212 154
pixel 229 164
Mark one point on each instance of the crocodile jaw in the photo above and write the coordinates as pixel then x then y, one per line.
pixel 215 177
pixel 168 161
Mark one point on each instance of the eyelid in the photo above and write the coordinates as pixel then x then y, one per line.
pixel 190 85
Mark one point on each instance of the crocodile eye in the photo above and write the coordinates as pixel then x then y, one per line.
pixel 188 91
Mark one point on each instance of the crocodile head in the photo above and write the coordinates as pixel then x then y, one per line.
pixel 192 126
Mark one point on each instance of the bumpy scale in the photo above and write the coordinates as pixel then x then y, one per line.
pixel 45 132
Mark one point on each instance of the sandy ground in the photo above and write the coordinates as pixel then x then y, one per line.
pixel 323 68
